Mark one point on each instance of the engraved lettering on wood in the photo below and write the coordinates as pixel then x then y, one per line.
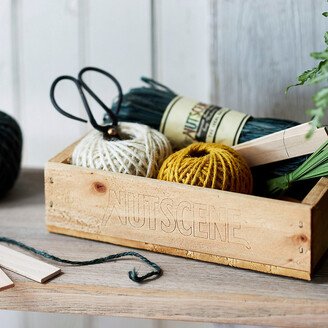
pixel 171 216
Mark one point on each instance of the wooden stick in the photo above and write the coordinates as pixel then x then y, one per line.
pixel 27 266
pixel 282 145
pixel 298 129
pixel 5 281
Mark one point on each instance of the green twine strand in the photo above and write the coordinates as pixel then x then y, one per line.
pixel 133 275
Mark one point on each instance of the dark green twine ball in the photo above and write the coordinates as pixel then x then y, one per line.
pixel 11 141
pixel 147 105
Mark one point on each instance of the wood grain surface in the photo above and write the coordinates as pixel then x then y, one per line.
pixel 189 290
pixel 319 198
pixel 282 145
pixel 27 266
pixel 227 228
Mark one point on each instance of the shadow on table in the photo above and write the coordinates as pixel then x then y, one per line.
pixel 321 271
pixel 28 190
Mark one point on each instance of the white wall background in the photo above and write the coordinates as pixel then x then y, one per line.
pixel 237 53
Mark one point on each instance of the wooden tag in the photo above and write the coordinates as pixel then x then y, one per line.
pixel 5 281
pixel 27 266
pixel 282 145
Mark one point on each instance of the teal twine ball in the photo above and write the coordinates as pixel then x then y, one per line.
pixel 11 142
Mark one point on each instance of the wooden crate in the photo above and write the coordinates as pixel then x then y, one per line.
pixel 267 235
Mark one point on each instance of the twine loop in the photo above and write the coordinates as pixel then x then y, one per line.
pixel 133 274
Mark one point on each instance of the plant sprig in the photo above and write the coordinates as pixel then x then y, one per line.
pixel 313 76
pixel 316 166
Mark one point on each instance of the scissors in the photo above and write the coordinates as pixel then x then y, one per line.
pixel 109 130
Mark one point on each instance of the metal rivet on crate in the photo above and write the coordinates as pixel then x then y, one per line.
pixel 300 224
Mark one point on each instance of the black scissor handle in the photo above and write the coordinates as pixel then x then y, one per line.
pixel 80 84
pixel 111 77
pixel 53 99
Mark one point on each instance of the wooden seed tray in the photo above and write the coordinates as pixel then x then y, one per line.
pixel 250 232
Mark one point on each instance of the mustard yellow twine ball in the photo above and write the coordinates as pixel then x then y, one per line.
pixel 208 165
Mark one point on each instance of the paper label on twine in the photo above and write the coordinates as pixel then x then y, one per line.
pixel 186 121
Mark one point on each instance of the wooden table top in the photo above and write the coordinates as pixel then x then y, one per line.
pixel 188 290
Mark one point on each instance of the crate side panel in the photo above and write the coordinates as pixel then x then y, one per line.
pixel 243 264
pixel 318 198
pixel 183 217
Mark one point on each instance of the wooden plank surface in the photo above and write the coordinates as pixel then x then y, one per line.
pixel 262 45
pixel 5 281
pixel 49 38
pixel 181 51
pixel 189 290
pixel 27 266
pixel 121 48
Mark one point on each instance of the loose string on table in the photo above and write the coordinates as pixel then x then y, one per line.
pixel 133 275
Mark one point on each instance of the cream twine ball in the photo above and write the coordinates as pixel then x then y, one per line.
pixel 141 151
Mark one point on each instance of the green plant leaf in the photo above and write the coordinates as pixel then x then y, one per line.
pixel 313 76
pixel 315 166
pixel 304 77
pixel 326 38
pixel 320 98
pixel 320 55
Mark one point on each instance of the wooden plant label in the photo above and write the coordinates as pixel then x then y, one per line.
pixel 5 281
pixel 27 266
